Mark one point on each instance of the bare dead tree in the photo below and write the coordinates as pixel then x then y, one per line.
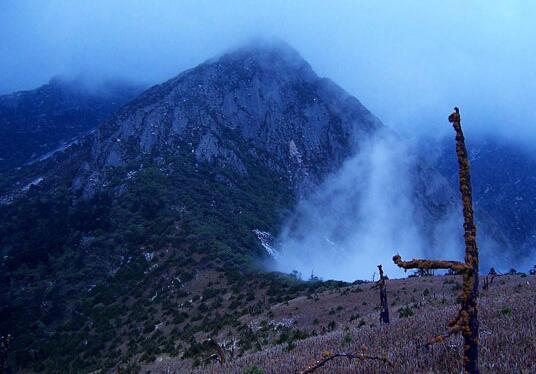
pixel 328 356
pixel 384 313
pixel 466 322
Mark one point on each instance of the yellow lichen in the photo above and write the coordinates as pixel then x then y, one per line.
pixel 466 322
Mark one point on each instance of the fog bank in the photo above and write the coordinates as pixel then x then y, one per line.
pixel 363 215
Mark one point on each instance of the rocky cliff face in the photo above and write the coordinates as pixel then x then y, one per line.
pixel 266 99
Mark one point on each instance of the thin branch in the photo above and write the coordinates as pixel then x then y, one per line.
pixel 330 356
pixel 440 338
pixel 459 319
pixel 454 327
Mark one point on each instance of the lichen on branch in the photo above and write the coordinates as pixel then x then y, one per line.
pixel 455 266
pixel 466 322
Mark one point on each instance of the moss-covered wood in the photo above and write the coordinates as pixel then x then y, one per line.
pixel 466 322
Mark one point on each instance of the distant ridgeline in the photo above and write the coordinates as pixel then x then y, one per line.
pixel 35 123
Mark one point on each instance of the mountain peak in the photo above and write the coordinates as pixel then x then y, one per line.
pixel 266 48
pixel 260 104
pixel 269 55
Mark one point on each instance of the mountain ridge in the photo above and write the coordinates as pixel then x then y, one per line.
pixel 35 122
pixel 166 191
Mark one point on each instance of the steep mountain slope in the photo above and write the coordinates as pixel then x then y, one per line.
pixel 34 123
pixel 292 122
pixel 128 227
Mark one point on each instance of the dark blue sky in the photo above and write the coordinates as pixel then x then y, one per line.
pixel 408 61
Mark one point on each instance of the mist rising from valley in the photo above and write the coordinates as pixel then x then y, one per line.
pixel 367 212
pixel 360 217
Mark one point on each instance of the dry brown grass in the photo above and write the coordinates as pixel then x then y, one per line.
pixel 507 331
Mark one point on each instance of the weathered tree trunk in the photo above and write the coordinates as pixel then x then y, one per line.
pixel 467 320
pixel 470 277
pixel 384 314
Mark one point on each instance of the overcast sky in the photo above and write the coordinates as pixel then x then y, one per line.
pixel 407 61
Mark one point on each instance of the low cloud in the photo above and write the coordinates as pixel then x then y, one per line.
pixel 363 215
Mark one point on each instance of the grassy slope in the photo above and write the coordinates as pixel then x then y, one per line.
pixel 507 330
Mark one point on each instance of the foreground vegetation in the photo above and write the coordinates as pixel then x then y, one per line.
pixel 86 281
pixel 421 306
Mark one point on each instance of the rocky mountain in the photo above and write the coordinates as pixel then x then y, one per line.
pixel 260 104
pixel 122 227
pixel 37 122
